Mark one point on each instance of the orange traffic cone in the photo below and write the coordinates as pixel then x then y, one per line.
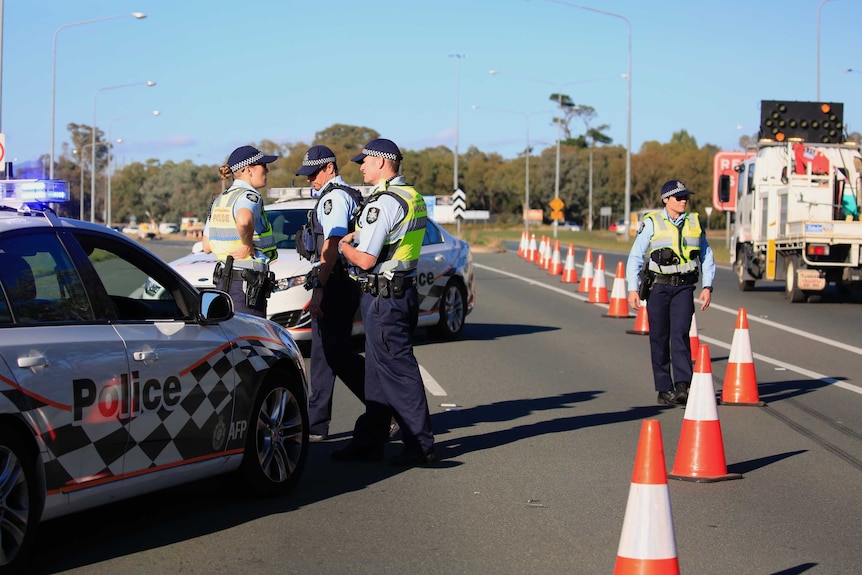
pixel 587 275
pixel 648 543
pixel 532 249
pixel 619 307
pixel 693 338
pixel 540 261
pixel 555 268
pixel 522 247
pixel 570 274
pixel 740 383
pixel 546 263
pixel 599 288
pixel 641 321
pixel 700 453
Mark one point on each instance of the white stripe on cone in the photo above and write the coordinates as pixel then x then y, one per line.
pixel 648 525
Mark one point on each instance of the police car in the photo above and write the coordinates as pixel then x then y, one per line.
pixel 117 377
pixel 445 275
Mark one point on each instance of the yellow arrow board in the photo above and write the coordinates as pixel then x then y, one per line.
pixel 557 215
pixel 557 204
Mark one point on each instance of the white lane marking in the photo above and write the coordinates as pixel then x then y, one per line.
pixel 776 362
pixel 753 318
pixel 430 383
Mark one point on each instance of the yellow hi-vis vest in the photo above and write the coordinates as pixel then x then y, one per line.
pixel 401 250
pixel 684 242
pixel 224 237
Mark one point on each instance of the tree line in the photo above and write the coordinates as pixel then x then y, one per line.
pixel 171 190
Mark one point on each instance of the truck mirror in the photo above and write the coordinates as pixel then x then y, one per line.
pixel 724 188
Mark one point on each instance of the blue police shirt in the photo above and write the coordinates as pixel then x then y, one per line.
pixel 335 209
pixel 641 245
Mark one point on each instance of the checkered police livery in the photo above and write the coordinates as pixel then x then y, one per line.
pixel 209 419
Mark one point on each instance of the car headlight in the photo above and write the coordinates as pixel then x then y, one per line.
pixel 287 283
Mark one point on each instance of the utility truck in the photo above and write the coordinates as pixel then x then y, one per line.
pixel 796 202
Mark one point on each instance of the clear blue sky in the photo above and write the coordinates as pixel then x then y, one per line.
pixel 231 73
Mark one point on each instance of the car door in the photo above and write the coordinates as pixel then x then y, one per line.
pixel 59 354
pixel 177 395
pixel 436 261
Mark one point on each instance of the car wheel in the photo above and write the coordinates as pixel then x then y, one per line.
pixel 277 445
pixel 453 311
pixel 20 501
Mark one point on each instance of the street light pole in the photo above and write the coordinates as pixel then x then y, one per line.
pixel 628 194
pixel 526 156
pixel 136 15
pixel 108 188
pixel 148 84
pixel 457 110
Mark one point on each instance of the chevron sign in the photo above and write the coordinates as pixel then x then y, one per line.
pixel 459 203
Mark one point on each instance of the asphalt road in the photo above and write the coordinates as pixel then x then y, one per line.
pixel 538 429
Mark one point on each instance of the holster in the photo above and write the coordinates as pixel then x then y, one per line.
pixel 259 286
pixel 646 278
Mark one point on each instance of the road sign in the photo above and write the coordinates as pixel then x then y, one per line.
pixel 459 203
pixel 723 165
pixel 557 204
pixel 557 215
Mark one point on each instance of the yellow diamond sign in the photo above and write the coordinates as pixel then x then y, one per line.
pixel 557 204
pixel 557 215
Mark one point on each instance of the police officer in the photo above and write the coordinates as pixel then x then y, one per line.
pixel 676 253
pixel 238 232
pixel 334 296
pixel 385 250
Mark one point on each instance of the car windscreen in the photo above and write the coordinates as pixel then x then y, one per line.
pixel 285 223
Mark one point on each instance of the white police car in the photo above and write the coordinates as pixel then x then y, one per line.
pixel 445 275
pixel 107 392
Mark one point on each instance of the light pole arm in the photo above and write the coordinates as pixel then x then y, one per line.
pixel 136 15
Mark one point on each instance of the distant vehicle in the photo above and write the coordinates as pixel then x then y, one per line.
pixel 797 198
pixel 620 226
pixel 119 378
pixel 445 275
pixel 572 226
pixel 168 228
pixel 130 230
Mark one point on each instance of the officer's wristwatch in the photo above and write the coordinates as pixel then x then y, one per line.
pixel 316 283
pixel 709 288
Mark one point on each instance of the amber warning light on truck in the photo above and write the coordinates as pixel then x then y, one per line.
pixel 725 180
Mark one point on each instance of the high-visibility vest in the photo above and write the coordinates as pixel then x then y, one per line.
pixel 223 234
pixel 684 242
pixel 401 249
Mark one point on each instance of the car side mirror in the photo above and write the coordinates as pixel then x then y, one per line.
pixel 215 305
pixel 724 188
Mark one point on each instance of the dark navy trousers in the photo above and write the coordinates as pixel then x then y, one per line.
pixel 393 384
pixel 332 352
pixel 669 311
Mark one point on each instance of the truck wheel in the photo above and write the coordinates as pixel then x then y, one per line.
pixel 739 268
pixel 791 286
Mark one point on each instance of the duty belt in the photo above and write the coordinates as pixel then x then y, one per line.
pixel 677 279
pixel 379 285
pixel 236 273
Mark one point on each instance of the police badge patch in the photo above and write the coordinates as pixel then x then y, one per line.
pixel 327 207
pixel 254 198
pixel 372 215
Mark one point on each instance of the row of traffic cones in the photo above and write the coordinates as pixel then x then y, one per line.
pixel 648 542
pixel 740 383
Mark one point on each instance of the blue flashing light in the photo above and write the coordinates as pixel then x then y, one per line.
pixel 45 191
